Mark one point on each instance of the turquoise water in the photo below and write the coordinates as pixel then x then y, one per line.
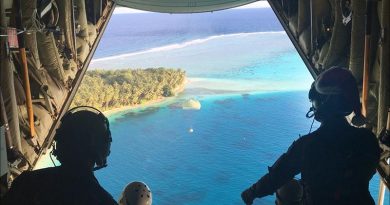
pixel 252 86
pixel 234 139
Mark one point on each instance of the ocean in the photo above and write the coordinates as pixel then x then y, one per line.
pixel 252 87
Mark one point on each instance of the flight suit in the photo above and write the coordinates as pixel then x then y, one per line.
pixel 336 163
pixel 57 185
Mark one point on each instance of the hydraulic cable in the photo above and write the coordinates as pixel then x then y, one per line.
pixel 366 68
pixel 26 80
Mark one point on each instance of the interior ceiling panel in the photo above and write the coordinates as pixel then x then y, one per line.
pixel 182 6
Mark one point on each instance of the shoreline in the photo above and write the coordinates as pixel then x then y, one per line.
pixel 191 87
pixel 114 111
pixel 149 103
pixel 173 46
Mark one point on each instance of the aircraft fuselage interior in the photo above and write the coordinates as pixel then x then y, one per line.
pixel 46 47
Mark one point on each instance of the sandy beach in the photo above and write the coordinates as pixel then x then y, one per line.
pixel 130 107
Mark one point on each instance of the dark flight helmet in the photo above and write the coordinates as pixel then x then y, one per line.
pixel 136 193
pixel 84 135
pixel 335 93
pixel 290 193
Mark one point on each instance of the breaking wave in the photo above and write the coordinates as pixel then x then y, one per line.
pixel 183 45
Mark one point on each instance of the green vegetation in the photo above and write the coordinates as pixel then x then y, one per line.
pixel 108 89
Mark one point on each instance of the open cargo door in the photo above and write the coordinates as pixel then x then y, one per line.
pixel 48 45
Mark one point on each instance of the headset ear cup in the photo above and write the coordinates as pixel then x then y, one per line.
pixel 57 137
pixel 99 154
pixel 312 92
pixel 314 98
pixel 317 101
pixel 54 152
pixel 103 147
pixel 95 147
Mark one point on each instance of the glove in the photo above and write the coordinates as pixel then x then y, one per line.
pixel 247 196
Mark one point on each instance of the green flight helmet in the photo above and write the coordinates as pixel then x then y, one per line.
pixel 136 193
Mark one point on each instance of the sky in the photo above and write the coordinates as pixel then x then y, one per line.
pixel 258 4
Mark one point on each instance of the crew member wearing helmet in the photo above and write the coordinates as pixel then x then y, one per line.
pixel 337 160
pixel 136 193
pixel 82 146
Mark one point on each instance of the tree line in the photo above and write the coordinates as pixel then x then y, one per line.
pixel 108 89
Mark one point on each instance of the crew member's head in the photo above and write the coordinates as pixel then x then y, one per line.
pixel 136 193
pixel 335 94
pixel 83 138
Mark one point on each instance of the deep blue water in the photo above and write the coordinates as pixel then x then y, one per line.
pixel 236 135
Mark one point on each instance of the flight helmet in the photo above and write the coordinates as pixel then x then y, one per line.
pixel 335 93
pixel 136 193
pixel 290 193
pixel 83 135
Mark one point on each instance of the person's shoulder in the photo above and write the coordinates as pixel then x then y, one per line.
pixel 364 134
pixel 301 143
pixel 306 138
pixel 45 171
pixel 109 200
pixel 23 184
pixel 367 139
pixel 38 173
pixel 96 193
pixel 364 131
pixel 30 177
pixel 105 198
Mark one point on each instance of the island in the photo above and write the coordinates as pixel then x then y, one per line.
pixel 115 89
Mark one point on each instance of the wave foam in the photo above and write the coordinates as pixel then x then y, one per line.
pixel 182 45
